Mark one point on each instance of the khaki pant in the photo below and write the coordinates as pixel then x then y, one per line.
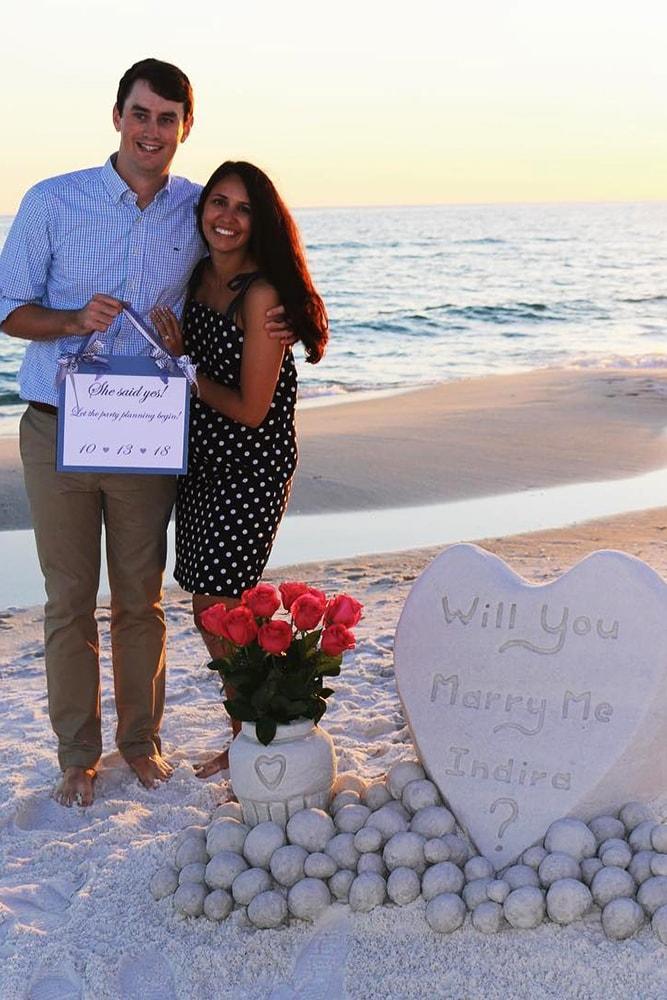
pixel 68 510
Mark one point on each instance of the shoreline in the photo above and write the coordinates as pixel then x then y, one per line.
pixel 459 440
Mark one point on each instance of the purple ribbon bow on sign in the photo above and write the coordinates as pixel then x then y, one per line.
pixel 168 363
pixel 90 354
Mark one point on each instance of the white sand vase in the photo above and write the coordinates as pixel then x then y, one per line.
pixel 295 771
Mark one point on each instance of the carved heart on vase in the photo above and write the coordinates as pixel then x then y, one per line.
pixel 270 770
pixel 531 702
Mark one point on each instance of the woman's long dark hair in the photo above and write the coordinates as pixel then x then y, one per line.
pixel 275 246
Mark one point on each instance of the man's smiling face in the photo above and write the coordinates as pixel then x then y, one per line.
pixel 151 129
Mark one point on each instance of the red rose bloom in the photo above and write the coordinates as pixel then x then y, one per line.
pixel 290 590
pixel 307 610
pixel 336 639
pixel 263 600
pixel 343 610
pixel 213 620
pixel 275 636
pixel 240 626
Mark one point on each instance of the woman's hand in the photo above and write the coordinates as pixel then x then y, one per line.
pixel 169 329
pixel 278 326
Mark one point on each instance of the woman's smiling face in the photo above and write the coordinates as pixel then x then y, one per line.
pixel 227 215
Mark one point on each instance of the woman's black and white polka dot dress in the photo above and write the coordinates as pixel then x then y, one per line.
pixel 234 495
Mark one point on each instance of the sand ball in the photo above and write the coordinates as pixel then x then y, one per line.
pixel 589 869
pixel 366 892
pixel 261 842
pixel 348 781
pixel 308 898
pixel 498 890
pixel 340 884
pixel 606 827
pixel 659 924
pixel 403 886
pixel 478 867
pixel 488 917
pixel 570 836
pixel 533 857
pixel 445 913
pixel 568 900
pixel 432 821
pixel 640 866
pixel 436 850
pixel 223 868
pixel 191 833
pixel 310 829
pixel 351 818
pixel 368 839
pixel 443 878
pixel 475 892
pixel 189 899
pixel 517 876
pixel 621 918
pixel 652 894
pixel 612 883
pixel 659 838
pixel 635 813
pixel 347 798
pixel 459 851
pixel 641 837
pixel 400 774
pixel 341 848
pixel 164 882
pixel 249 884
pixel 287 863
pixel 405 850
pixel 231 809
pixel 617 856
pixel 371 863
pixel 269 909
pixel 190 852
pixel 319 865
pixel 218 905
pixel 388 820
pixel 524 908
pixel 659 864
pixel 226 834
pixel 375 795
pixel 420 795
pixel 557 866
pixel 192 873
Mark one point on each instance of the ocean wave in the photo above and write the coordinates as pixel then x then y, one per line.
pixel 646 298
pixel 629 361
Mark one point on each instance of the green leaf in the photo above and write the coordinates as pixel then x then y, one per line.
pixel 240 709
pixel 265 730
pixel 326 692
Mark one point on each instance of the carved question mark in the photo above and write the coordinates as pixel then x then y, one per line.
pixel 513 816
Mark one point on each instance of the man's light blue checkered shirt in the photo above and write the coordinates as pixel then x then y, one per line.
pixel 83 233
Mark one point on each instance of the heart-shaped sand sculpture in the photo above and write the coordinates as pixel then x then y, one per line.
pixel 531 702
pixel 270 770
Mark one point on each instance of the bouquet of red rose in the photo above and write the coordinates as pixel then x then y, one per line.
pixel 276 665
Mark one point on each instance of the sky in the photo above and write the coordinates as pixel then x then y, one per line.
pixel 358 102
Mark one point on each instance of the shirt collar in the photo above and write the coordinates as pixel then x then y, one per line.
pixel 117 187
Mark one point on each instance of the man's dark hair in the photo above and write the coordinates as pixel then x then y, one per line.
pixel 164 78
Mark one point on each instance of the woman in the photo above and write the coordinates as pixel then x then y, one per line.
pixel 242 451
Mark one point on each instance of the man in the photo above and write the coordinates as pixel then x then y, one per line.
pixel 82 245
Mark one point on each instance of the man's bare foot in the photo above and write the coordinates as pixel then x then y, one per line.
pixel 218 763
pixel 151 769
pixel 75 787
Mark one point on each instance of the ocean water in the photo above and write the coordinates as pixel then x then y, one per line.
pixel 418 295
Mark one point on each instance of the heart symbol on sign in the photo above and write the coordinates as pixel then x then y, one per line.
pixel 104 449
pixel 531 702
pixel 143 451
pixel 271 770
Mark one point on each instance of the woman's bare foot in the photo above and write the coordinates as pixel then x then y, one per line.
pixel 76 787
pixel 208 767
pixel 151 769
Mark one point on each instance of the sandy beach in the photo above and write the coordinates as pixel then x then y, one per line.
pixel 76 916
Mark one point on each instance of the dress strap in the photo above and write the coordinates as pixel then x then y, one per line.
pixel 240 284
